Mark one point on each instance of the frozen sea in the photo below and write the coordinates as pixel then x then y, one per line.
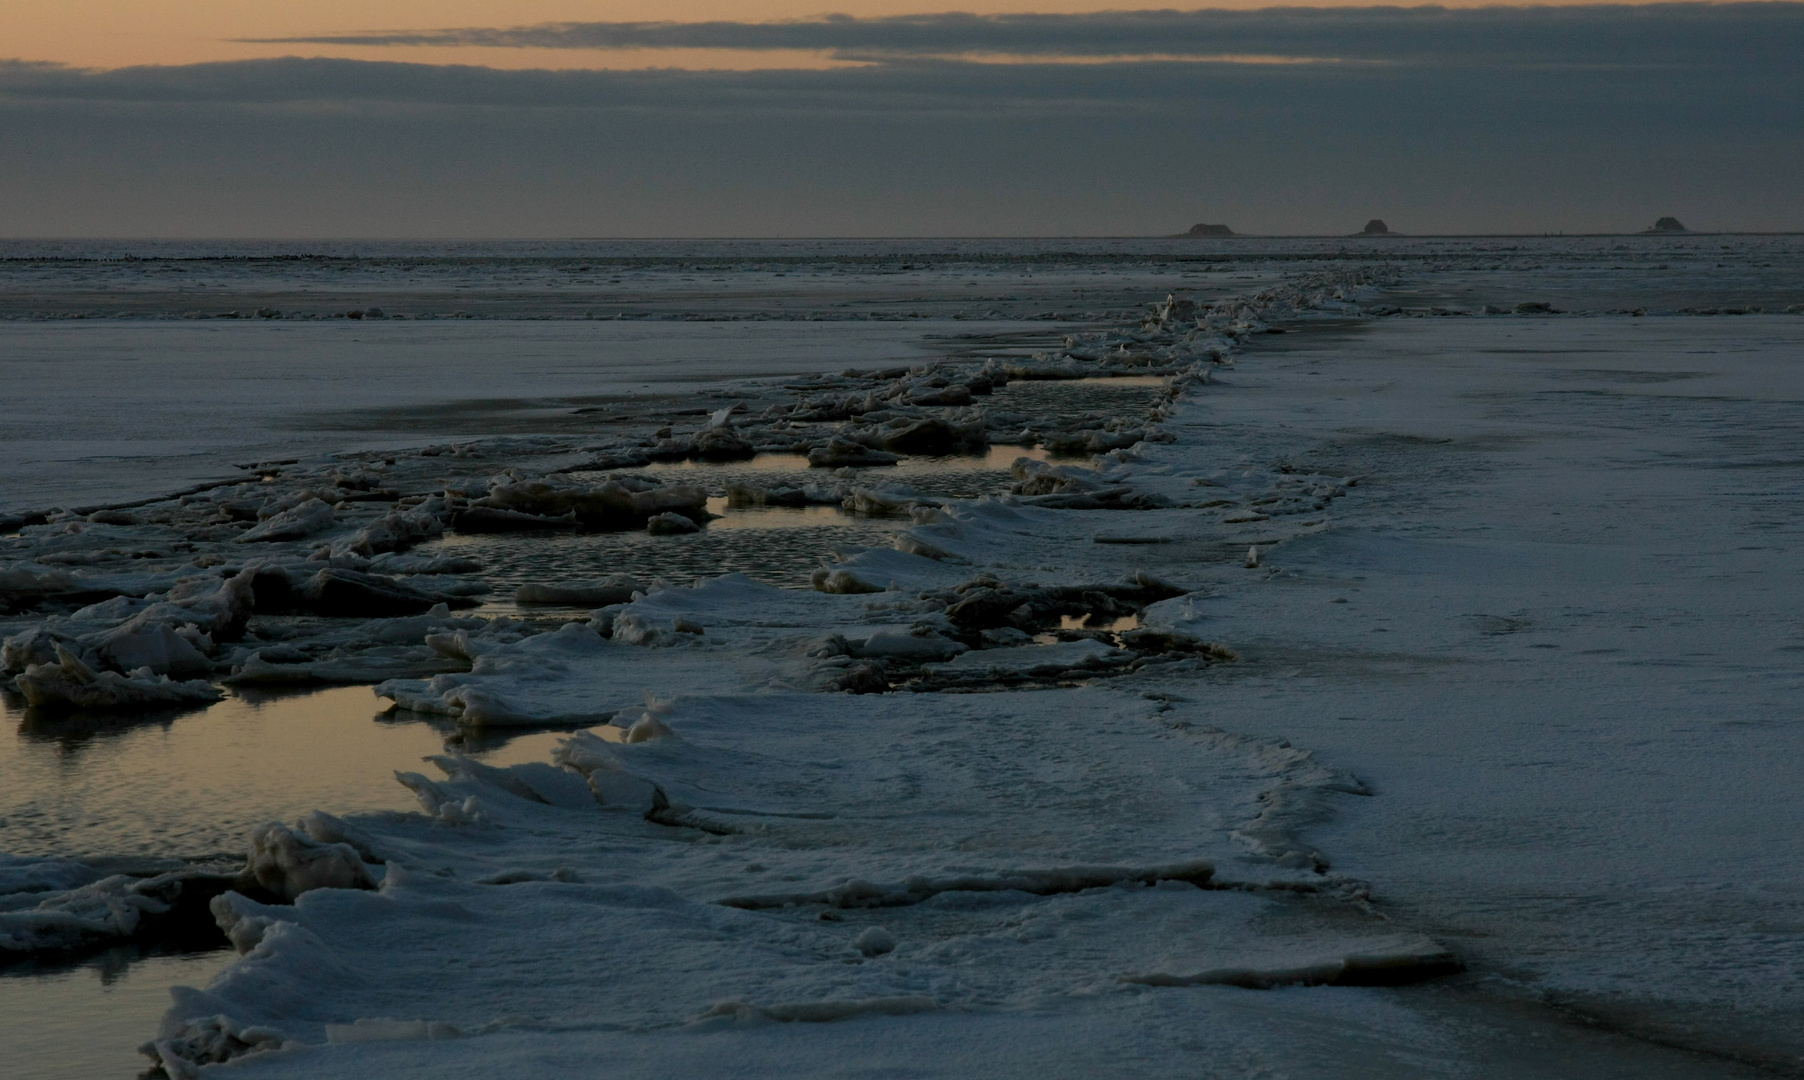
pixel 1528 689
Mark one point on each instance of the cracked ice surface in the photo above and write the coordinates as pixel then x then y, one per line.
pixel 1025 854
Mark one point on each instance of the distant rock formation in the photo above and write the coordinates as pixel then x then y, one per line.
pixel 1209 230
pixel 1375 227
pixel 1668 225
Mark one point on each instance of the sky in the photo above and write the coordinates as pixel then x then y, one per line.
pixel 558 118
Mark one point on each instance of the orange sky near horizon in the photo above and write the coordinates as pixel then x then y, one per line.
pixel 124 33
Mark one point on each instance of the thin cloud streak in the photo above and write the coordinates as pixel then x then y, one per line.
pixel 1660 33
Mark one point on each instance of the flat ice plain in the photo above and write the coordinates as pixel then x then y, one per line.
pixel 1514 687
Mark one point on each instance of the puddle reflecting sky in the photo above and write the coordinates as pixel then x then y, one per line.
pixel 1090 622
pixel 773 517
pixel 88 1021
pixel 193 784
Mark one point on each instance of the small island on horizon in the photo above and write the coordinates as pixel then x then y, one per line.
pixel 1665 226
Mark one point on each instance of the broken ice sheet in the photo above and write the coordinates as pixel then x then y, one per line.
pixel 1015 847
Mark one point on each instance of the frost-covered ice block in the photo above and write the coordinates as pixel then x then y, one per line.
pixel 312 516
pixel 572 675
pixel 615 589
pixel 51 906
pixel 69 683
pixel 876 569
pixel 840 453
pixel 903 645
pixel 1036 659
pixel 670 524
pixel 102 911
pixel 622 501
pixel 289 863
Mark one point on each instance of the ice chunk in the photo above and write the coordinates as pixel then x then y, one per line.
pixel 218 606
pixel 155 646
pixel 371 665
pixel 839 580
pixel 244 921
pixel 412 629
pixel 440 803
pixel 396 531
pixel 647 728
pixel 571 675
pixel 24 880
pixel 954 394
pixel 533 781
pixel 639 630
pixel 615 589
pixel 890 499
pixel 328 829
pixel 30 582
pixel 912 647
pixel 490 519
pixel 722 443
pixel 842 453
pixel 622 501
pixel 933 436
pixel 35 646
pixel 607 775
pixel 1405 959
pixel 70 683
pixel 1065 487
pixel 208 1041
pixel 310 517
pixel 289 863
pixel 741 493
pixel 349 593
pixel 670 524
pixel 105 910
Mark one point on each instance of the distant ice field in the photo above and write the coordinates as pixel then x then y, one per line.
pixel 112 410
pixel 136 367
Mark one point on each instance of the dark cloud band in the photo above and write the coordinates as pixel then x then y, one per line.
pixel 1660 33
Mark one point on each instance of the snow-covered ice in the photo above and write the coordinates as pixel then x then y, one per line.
pixel 1440 633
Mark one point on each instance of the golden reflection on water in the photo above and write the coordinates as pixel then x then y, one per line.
pixel 1090 622
pixel 772 517
pixel 190 784
pixel 998 457
pixel 88 1020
